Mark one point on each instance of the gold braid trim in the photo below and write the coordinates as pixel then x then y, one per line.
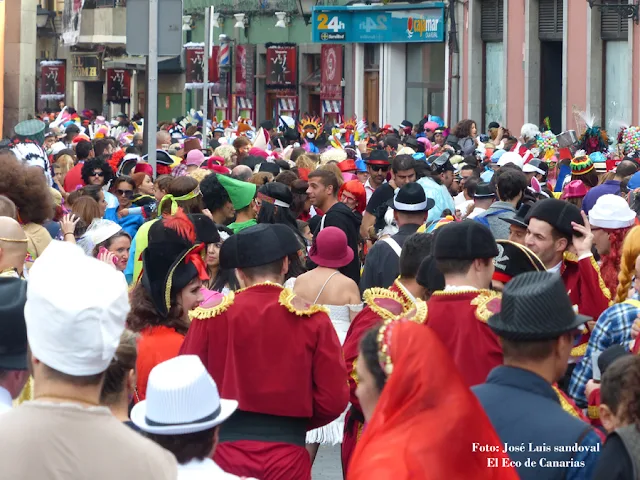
pixel 444 293
pixel 406 298
pixel 286 300
pixel 369 296
pixel 603 287
pixel 593 412
pixel 566 406
pixel 570 257
pixel 420 315
pixel 201 313
pixel 580 350
pixel 261 284
pixel 482 304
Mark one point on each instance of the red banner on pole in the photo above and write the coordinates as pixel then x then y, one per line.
pixel 331 72
pixel 118 85
pixel 53 79
pixel 282 61
pixel 241 71
pixel 214 68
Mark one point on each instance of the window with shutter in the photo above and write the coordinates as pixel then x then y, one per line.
pixel 613 26
pixel 492 14
pixel 550 20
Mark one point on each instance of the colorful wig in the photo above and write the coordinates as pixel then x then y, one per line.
pixel 355 188
pixel 627 258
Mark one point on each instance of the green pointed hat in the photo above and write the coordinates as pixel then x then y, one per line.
pixel 241 193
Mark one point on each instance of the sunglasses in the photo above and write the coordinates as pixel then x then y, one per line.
pixel 379 168
pixel 124 193
pixel 97 174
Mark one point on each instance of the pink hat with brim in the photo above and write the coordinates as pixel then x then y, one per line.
pixel 574 189
pixel 331 249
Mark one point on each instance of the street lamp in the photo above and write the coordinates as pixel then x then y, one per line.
pixel 306 12
pixel 42 16
pixel 626 10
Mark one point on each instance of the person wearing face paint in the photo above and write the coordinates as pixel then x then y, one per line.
pixel 172 275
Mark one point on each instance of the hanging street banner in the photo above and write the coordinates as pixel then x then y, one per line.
pixel 118 85
pixel 423 23
pixel 282 61
pixel 331 72
pixel 53 79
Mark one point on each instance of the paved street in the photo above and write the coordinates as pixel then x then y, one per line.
pixel 327 465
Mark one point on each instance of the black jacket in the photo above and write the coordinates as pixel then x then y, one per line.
pixel 342 217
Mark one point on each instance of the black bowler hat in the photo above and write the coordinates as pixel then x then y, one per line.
pixel 535 306
pixel 411 199
pixel 13 329
pixel 484 190
pixel 466 240
pixel 269 167
pixel 521 215
pixel 258 245
pixel 378 157
pixel 514 259
pixel 557 213
pixel 429 276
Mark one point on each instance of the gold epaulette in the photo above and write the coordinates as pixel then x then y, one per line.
pixel 385 303
pixel 418 313
pixel 570 257
pixel 487 304
pixel 580 350
pixel 566 406
pixel 297 305
pixel 214 308
pixel 593 412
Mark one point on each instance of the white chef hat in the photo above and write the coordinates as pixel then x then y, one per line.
pixel 76 310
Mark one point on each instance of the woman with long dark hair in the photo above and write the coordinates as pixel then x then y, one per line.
pixel 173 272
pixel 274 201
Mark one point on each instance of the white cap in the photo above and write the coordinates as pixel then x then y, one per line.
pixel 528 168
pixel 511 157
pixel 76 310
pixel 181 398
pixel 57 147
pixel 611 212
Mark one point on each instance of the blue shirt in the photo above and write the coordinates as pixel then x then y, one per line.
pixel 609 187
pixel 440 195
pixel 612 328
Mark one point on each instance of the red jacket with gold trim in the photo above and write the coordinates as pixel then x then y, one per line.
pixel 459 318
pixel 587 290
pixel 271 352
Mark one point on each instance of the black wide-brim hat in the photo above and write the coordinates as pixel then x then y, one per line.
pixel 535 307
pixel 466 240
pixel 162 158
pixel 520 219
pixel 13 329
pixel 259 245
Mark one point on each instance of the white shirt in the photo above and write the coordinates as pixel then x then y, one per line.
pixel 369 189
pixel 203 470
pixel 476 211
pixel 459 199
pixel 555 268
pixel 6 402
pixel 458 288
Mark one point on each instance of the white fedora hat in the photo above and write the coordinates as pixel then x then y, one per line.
pixel 181 398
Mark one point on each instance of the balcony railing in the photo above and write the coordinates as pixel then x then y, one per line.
pixel 248 6
pixel 91 4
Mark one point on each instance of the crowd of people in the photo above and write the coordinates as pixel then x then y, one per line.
pixel 442 303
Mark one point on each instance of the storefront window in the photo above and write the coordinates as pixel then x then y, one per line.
pixel 425 80
pixel 494 87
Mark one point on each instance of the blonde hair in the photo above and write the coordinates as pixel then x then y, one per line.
pixel 332 167
pixel 227 152
pixel 199 174
pixel 333 155
pixel 65 162
pixel 630 253
pixel 304 161
pixel 261 178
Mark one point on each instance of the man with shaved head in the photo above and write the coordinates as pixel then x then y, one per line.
pixel 242 172
pixel 13 247
pixel 163 140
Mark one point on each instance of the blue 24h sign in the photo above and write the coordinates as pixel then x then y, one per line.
pixel 373 24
